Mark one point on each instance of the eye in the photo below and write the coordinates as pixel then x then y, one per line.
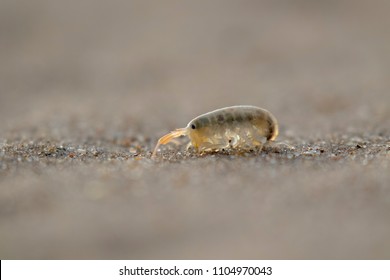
pixel 193 126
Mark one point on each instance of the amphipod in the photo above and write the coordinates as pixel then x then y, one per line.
pixel 236 127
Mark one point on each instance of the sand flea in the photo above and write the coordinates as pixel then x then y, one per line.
pixel 236 127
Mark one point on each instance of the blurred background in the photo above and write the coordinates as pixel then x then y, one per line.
pixel 76 72
pixel 173 60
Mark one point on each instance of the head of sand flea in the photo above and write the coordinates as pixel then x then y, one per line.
pixel 238 127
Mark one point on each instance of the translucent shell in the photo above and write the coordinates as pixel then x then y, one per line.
pixel 236 127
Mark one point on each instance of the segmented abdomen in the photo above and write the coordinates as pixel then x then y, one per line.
pixel 233 118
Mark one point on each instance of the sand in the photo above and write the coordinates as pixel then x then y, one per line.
pixel 87 88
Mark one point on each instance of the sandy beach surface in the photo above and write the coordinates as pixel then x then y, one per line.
pixel 87 88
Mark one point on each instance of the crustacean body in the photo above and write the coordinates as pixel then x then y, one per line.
pixel 236 127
